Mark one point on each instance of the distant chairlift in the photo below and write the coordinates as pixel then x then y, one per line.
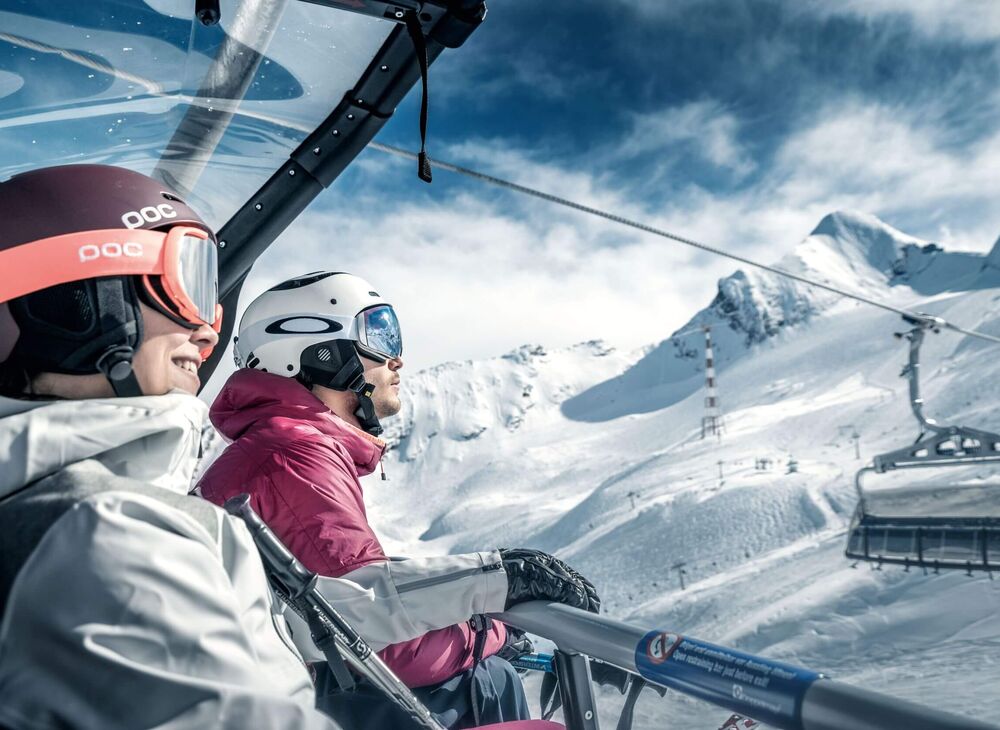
pixel 929 526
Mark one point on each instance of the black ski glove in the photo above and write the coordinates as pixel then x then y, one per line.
pixel 536 576
pixel 517 645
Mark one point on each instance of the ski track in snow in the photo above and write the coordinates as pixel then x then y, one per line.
pixel 550 450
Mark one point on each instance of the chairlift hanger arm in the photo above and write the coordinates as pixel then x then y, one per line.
pixel 938 444
pixel 339 138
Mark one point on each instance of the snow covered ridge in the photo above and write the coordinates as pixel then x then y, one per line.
pixel 849 250
pixel 594 455
pixel 753 308
pixel 460 402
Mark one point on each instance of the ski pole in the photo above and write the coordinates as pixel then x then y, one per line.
pixel 297 584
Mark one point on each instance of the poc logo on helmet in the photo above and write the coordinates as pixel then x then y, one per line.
pixel 112 250
pixel 149 214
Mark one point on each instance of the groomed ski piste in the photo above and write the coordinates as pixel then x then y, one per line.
pixel 595 454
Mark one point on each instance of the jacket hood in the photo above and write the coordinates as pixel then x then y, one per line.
pixel 252 399
pixel 155 439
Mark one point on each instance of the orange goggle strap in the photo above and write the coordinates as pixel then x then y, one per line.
pixel 70 257
pixel 47 262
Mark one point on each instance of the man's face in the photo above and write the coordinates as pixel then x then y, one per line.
pixel 385 377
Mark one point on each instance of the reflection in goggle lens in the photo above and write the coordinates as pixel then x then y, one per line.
pixel 199 273
pixel 382 331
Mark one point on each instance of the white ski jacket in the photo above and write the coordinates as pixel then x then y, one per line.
pixel 124 602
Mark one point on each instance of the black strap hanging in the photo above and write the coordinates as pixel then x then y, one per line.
pixel 628 709
pixel 420 46
pixel 550 683
pixel 324 639
pixel 480 623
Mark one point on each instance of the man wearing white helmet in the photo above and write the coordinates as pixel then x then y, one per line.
pixel 320 357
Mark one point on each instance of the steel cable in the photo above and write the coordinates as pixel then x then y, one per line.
pixel 917 316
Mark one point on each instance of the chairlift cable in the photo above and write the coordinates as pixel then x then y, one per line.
pixel 937 322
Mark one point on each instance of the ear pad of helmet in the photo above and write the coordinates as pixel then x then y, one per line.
pixel 68 327
pixel 333 364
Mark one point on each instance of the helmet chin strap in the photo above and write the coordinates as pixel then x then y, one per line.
pixel 336 364
pixel 116 364
pixel 365 412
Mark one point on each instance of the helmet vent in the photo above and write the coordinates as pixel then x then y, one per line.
pixel 373 293
pixel 302 281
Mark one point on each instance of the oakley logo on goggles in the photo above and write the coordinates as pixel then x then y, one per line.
pixel 183 260
pixel 379 336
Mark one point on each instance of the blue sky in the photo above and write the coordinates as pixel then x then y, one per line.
pixel 736 122
pixel 740 123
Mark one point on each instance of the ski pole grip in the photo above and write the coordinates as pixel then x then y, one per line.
pixel 285 567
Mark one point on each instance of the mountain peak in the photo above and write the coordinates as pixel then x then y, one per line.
pixel 851 223
pixel 862 239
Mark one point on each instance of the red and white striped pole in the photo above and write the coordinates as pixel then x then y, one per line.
pixel 711 422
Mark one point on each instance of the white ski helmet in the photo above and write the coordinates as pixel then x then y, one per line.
pixel 313 328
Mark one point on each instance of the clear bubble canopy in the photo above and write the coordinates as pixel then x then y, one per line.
pixel 212 110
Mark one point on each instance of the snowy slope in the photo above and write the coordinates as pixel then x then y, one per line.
pixel 594 455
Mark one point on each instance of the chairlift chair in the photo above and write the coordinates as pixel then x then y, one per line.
pixel 892 530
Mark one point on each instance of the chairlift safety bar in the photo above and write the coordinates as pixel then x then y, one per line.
pixel 779 694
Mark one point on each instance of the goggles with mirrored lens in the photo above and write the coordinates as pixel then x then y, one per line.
pixel 379 336
pixel 179 267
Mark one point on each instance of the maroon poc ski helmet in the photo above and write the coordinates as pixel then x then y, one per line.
pixel 80 247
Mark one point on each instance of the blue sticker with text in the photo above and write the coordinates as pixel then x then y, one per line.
pixel 535 662
pixel 765 690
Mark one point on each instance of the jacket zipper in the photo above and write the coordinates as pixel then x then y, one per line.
pixel 439 579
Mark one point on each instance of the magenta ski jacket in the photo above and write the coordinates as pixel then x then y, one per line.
pixel 301 465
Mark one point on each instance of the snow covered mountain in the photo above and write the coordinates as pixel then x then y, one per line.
pixel 595 455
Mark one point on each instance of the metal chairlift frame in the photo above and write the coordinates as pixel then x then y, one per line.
pixel 351 125
pixel 952 542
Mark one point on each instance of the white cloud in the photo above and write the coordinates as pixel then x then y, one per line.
pixel 659 8
pixel 484 271
pixel 703 127
pixel 975 20
pixel 476 277
pixel 889 162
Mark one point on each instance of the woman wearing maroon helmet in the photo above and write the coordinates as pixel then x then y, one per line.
pixel 124 602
